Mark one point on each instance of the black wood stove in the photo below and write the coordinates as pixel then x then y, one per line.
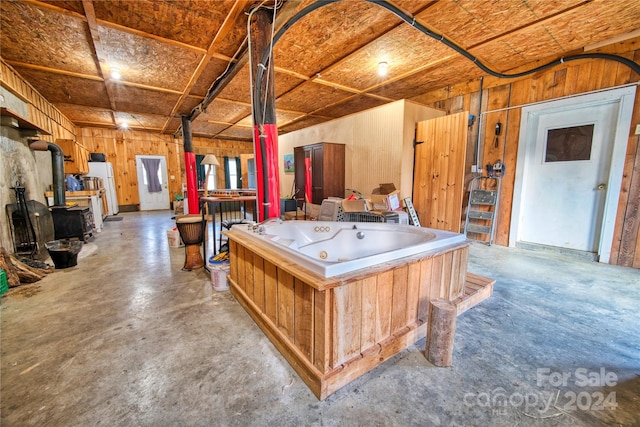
pixel 68 222
pixel 75 221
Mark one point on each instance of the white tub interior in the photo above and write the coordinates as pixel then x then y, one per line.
pixel 332 248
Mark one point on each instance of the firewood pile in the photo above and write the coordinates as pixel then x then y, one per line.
pixel 21 271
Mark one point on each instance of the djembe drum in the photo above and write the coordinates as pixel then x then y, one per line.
pixel 190 228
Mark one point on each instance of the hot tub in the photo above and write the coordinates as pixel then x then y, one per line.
pixel 333 248
pixel 336 300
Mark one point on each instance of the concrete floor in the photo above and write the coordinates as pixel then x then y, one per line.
pixel 127 338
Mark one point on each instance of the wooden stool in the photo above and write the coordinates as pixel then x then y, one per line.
pixel 190 228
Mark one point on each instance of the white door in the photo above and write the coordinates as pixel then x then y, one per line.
pixel 153 187
pixel 569 171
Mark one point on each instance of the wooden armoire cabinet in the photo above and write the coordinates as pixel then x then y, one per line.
pixel 327 170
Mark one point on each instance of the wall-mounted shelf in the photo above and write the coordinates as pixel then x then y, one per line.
pixel 23 123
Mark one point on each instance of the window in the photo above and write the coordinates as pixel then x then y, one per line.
pixel 211 184
pixel 144 176
pixel 232 173
pixel 569 144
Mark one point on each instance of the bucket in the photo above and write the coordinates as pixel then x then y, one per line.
pixel 64 253
pixel 219 271
pixel 173 236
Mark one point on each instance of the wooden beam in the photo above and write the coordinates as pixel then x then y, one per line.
pixel 149 36
pixel 283 15
pixel 318 77
pixel 291 73
pixel 55 70
pixel 143 86
pixel 527 25
pixel 101 56
pixel 94 124
pixel 55 8
pixel 228 24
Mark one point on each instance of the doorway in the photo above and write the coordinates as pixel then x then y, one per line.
pixel 153 188
pixel 569 172
pixel 438 172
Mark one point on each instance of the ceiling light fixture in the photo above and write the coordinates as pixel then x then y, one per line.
pixel 124 125
pixel 115 74
pixel 383 68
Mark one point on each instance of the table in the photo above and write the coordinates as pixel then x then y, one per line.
pixel 214 202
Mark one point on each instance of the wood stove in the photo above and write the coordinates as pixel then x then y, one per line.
pixel 68 222
pixel 75 221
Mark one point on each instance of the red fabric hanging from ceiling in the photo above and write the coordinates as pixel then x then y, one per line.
pixel 270 167
pixel 307 180
pixel 192 186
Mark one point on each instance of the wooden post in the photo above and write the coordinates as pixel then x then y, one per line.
pixel 265 134
pixel 441 331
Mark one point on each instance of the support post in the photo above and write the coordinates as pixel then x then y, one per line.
pixel 440 333
pixel 265 134
pixel 190 167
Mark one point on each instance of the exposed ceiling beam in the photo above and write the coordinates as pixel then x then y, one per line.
pixel 101 55
pixel 55 71
pixel 282 17
pixel 528 25
pixel 226 27
pixel 317 78
pixel 150 36
pixel 143 86
pixel 56 8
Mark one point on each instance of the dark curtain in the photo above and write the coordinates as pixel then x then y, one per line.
pixel 227 177
pixel 151 167
pixel 200 172
pixel 239 171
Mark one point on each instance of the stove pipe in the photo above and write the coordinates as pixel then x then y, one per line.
pixel 57 163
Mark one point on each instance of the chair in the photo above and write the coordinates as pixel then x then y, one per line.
pixel 232 212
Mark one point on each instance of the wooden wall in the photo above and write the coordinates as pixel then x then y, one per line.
pixel 18 164
pixel 568 79
pixel 41 112
pixel 121 147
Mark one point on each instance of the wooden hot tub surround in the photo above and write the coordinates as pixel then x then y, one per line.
pixel 333 330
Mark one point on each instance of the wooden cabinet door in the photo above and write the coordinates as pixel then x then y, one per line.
pixel 333 171
pixel 76 157
pixel 438 177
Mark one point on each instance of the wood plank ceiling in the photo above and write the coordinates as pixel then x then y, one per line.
pixel 169 54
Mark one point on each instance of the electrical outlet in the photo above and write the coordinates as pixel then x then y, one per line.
pixel 637 129
pixel 474 169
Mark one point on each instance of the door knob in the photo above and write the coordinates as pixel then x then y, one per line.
pixel 601 186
